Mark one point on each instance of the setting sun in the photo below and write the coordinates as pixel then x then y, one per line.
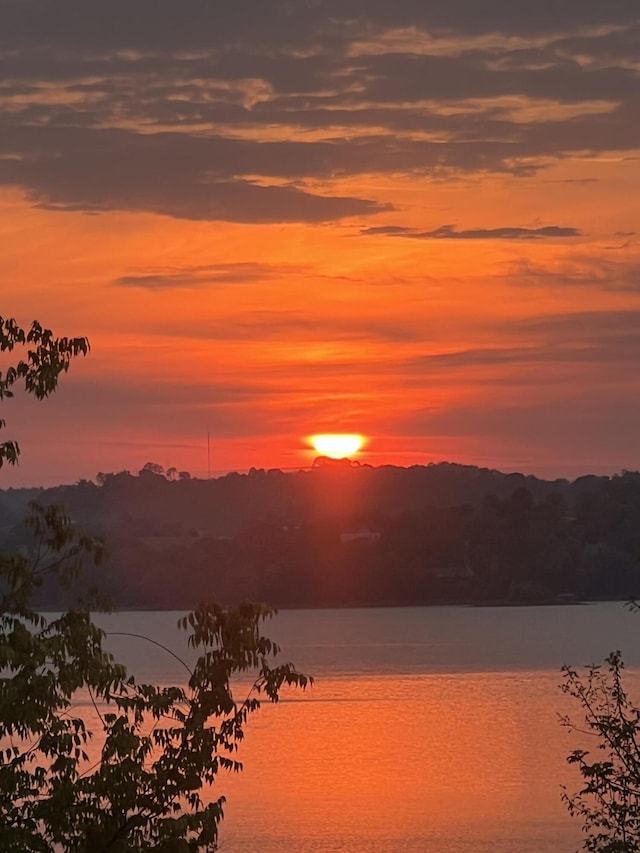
pixel 337 446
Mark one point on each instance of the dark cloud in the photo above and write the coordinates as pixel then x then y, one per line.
pixel 91 92
pixel 408 79
pixel 198 176
pixel 189 25
pixel 172 174
pixel 449 232
pixel 389 231
pixel 167 169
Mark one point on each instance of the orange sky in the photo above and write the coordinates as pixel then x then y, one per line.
pixel 277 219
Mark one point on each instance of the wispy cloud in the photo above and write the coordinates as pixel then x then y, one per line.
pixel 449 232
pixel 205 275
pixel 579 271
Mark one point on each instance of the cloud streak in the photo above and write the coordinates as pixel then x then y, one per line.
pixel 206 275
pixel 449 232
pixel 583 271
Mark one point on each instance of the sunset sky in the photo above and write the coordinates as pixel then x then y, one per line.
pixel 418 221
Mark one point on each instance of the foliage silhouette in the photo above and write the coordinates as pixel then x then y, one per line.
pixel 159 749
pixel 609 801
pixel 46 357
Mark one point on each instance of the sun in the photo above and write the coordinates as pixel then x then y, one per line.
pixel 338 445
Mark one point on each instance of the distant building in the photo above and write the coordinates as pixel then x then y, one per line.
pixel 368 537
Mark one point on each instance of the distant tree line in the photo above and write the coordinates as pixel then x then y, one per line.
pixel 353 535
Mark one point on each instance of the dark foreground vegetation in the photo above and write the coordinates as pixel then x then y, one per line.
pixel 343 534
pixel 143 777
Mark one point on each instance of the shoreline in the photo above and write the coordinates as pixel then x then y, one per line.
pixel 388 605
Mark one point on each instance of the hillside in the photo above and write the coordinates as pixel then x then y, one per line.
pixel 348 534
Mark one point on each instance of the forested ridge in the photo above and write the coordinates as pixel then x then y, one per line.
pixel 343 534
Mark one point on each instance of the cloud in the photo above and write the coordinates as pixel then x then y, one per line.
pixel 302 327
pixel 100 181
pixel 579 271
pixel 581 327
pixel 449 232
pixel 205 276
pixel 224 110
pixel 561 426
pixel 605 340
pixel 153 25
pixel 598 337
pixel 575 181
pixel 389 231
pixel 174 174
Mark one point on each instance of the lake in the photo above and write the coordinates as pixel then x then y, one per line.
pixel 428 729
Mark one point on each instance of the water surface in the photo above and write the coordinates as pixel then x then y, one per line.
pixel 428 729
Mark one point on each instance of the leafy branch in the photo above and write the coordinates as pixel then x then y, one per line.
pixel 39 369
pixel 160 748
pixel 609 801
